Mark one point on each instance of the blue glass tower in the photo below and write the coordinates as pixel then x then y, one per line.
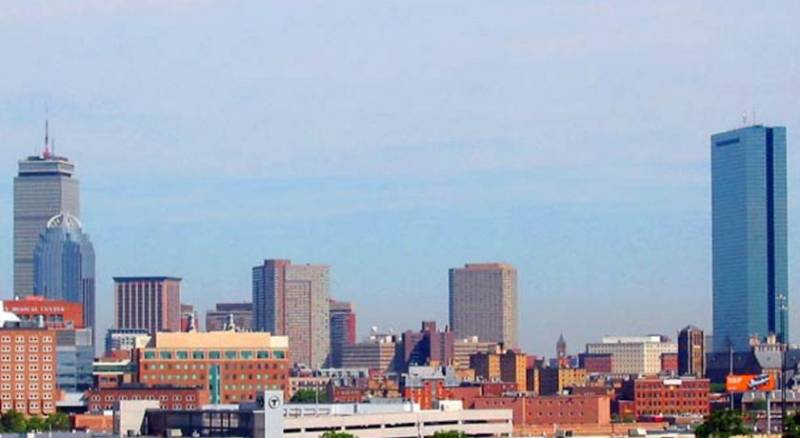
pixel 748 203
pixel 63 265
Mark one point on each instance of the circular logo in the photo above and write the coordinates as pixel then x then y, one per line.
pixel 274 402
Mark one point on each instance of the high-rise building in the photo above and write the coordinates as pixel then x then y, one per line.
pixel 43 188
pixel 343 329
pixel 633 354
pixel 152 303
pixel 63 265
pixel 691 352
pixel 748 209
pixel 242 316
pixel 483 302
pixel 75 358
pixel 292 300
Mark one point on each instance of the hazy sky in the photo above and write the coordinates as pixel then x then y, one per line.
pixel 396 139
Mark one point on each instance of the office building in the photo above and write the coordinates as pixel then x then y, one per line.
pixel 749 237
pixel 43 188
pixel 63 265
pixel 483 302
pixel 501 366
pixel 170 397
pixel 464 348
pixel 232 366
pixel 691 352
pixel 125 340
pixel 343 329
pixel 27 366
pixel 633 354
pixel 429 346
pixel 242 316
pixel 292 300
pixel 380 353
pixel 670 396
pixel 75 359
pixel 152 303
pixel 554 381
pixel 56 314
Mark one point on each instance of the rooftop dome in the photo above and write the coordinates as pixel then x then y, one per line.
pixel 64 220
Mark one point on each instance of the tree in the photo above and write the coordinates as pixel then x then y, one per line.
pixel 36 424
pixel 722 424
pixel 792 428
pixel 58 421
pixel 449 434
pixel 333 434
pixel 14 422
pixel 309 396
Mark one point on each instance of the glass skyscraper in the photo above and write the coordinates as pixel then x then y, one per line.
pixel 63 265
pixel 748 203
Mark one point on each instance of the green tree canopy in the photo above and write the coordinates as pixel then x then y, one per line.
pixel 58 421
pixel 309 396
pixel 332 434
pixel 13 421
pixel 449 434
pixel 722 424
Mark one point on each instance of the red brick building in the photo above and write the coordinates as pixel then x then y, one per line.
pixel 595 363
pixel 550 410
pixel 28 370
pixel 57 314
pixel 669 363
pixel 653 396
pixel 170 397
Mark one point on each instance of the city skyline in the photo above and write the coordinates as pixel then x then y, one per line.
pixel 612 212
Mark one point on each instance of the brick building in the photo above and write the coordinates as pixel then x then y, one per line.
pixel 426 385
pixel 555 380
pixel 429 346
pixel 552 410
pixel 170 397
pixel 151 303
pixel 669 363
pixel 27 367
pixel 503 366
pixel 654 396
pixel 57 314
pixel 597 363
pixel 230 366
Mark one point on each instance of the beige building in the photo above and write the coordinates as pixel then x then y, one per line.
pixel 503 366
pixel 379 352
pixel 634 354
pixel 555 380
pixel 464 348
pixel 292 300
pixel 483 302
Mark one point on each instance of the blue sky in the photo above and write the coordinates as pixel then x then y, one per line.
pixel 396 139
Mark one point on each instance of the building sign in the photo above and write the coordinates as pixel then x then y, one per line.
pixel 750 382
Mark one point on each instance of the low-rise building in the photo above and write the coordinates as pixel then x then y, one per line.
pixel 668 396
pixel 428 385
pixel 501 366
pixel 379 352
pixel 169 396
pixel 231 366
pixel 634 354
pixel 552 410
pixel 556 380
pixel 125 340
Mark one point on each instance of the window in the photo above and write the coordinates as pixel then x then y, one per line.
pixel 165 354
pixel 213 355
pixel 149 354
pixel 182 354
pixel 230 355
pixel 198 355
pixel 47 339
pixel 280 355
pixel 247 354
pixel 262 355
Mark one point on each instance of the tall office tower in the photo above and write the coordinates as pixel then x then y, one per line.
pixel 691 352
pixel 43 188
pixel 63 265
pixel 152 303
pixel 748 210
pixel 242 316
pixel 343 329
pixel 483 302
pixel 292 300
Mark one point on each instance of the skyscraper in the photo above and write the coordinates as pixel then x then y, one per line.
pixel 242 316
pixel 63 265
pixel 292 300
pixel 483 302
pixel 748 203
pixel 343 329
pixel 43 188
pixel 151 303
pixel 691 352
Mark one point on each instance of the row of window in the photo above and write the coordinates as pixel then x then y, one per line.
pixel 22 396
pixel 21 406
pixel 20 339
pixel 162 397
pixel 21 377
pixel 202 366
pixel 21 367
pixel 21 358
pixel 31 386
pixel 227 355
pixel 20 348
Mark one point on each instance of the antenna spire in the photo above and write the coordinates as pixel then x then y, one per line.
pixel 46 153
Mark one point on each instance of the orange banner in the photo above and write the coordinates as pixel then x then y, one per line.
pixel 750 382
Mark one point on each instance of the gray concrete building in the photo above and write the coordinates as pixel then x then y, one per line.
pixel 43 188
pixel 483 302
pixel 292 300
